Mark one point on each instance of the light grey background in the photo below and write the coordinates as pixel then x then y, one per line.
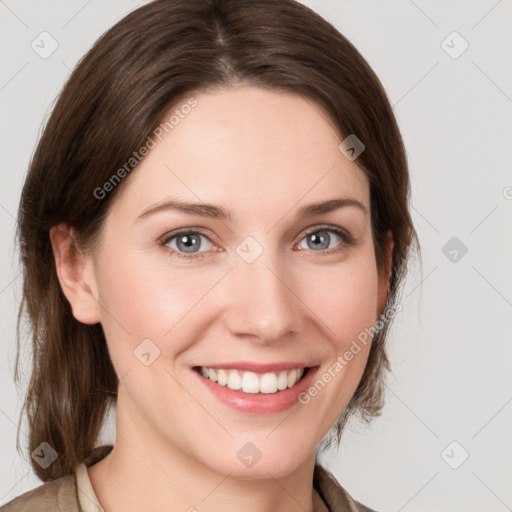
pixel 450 347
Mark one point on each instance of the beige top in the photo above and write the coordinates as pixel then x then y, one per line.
pixel 75 493
pixel 86 496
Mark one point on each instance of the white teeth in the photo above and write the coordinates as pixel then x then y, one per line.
pixel 250 382
pixel 234 381
pixel 268 383
pixel 282 381
pixel 222 377
pixel 292 378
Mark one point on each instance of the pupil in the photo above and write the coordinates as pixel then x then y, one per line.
pixel 189 242
pixel 320 240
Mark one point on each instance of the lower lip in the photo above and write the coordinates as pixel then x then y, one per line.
pixel 259 403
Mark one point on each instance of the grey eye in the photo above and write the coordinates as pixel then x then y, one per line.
pixel 320 239
pixel 188 242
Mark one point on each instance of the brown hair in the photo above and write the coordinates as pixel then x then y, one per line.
pixel 113 100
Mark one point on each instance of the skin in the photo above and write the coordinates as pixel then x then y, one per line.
pixel 261 155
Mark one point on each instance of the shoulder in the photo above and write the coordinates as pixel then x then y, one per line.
pixel 59 495
pixel 334 494
pixel 54 496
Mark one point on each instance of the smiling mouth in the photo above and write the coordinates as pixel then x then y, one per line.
pixel 252 382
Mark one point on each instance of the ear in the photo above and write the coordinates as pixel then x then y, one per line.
pixel 75 272
pixel 386 274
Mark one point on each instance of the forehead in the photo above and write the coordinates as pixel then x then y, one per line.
pixel 245 148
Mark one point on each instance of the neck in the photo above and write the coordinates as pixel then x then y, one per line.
pixel 145 469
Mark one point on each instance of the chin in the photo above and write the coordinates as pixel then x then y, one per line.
pixel 259 460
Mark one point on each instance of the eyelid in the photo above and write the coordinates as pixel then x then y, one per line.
pixel 317 227
pixel 348 239
pixel 171 234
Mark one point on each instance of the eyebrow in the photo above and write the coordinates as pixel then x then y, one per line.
pixel 217 212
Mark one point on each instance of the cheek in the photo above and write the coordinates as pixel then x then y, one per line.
pixel 345 302
pixel 344 298
pixel 151 298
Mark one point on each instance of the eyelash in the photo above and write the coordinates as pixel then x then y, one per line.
pixel 347 241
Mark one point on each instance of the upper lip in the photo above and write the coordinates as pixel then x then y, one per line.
pixel 249 366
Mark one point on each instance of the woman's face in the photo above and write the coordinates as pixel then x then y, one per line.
pixel 265 285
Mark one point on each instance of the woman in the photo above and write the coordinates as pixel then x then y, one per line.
pixel 213 229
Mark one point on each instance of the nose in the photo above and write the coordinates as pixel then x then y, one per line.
pixel 264 303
